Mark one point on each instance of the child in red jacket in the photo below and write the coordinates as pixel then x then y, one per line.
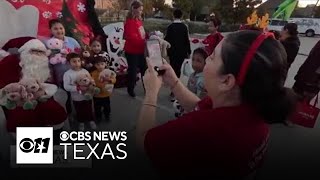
pixel 215 37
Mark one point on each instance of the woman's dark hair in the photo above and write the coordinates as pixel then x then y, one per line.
pixel 177 14
pixel 216 21
pixel 292 29
pixel 263 87
pixel 202 52
pixel 71 56
pixel 53 22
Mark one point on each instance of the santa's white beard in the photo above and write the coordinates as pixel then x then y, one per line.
pixel 34 66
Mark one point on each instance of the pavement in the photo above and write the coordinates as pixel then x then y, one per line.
pixel 294 152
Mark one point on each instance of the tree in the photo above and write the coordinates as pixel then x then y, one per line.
pixel 147 8
pixel 167 11
pixel 71 23
pixel 118 6
pixel 123 4
pixel 317 12
pixel 243 8
pixel 235 11
pixel 184 5
pixel 158 5
pixel 224 9
pixel 197 7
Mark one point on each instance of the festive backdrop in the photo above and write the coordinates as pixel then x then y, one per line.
pixel 78 16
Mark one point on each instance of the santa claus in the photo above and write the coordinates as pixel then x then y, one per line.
pixel 30 62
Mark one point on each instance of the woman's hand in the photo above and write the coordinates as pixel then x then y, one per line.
pixel 169 77
pixel 152 82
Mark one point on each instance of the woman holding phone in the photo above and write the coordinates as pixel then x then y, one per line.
pixel 134 47
pixel 225 135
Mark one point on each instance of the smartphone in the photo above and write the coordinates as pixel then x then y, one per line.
pixel 154 53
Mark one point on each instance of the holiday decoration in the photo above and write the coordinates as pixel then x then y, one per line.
pixel 31 18
pixel 115 44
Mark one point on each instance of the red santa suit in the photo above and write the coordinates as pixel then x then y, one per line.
pixel 49 113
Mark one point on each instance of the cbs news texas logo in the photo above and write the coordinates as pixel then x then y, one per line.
pixel 34 145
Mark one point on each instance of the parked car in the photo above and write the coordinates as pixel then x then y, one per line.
pixel 308 26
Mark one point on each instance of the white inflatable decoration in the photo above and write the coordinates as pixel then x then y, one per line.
pixel 17 22
pixel 115 44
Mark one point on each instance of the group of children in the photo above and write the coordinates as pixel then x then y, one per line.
pixel 91 63
pixel 95 60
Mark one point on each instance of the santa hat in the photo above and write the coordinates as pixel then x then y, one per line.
pixel 33 44
pixel 16 43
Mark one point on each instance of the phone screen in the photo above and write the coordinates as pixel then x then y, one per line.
pixel 154 53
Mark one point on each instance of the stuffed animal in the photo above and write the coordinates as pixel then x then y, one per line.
pixel 107 73
pixel 178 110
pixel 85 60
pixel 57 51
pixel 35 88
pixel 14 95
pixel 163 43
pixel 86 85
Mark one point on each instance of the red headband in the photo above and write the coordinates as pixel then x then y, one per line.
pixel 249 56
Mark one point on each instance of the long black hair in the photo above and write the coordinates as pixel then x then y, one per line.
pixel 292 29
pixel 263 87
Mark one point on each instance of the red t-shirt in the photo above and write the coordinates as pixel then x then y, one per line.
pixel 212 41
pixel 226 142
pixel 135 36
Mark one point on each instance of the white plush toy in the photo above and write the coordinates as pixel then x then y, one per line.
pixel 57 57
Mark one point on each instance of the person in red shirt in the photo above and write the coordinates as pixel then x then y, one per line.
pixel 134 47
pixel 225 135
pixel 215 37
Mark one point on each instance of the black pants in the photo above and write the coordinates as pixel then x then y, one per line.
pixel 100 103
pixel 68 103
pixel 135 62
pixel 176 63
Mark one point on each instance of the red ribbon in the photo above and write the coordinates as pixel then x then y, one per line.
pixel 249 56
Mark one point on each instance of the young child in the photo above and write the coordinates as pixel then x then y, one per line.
pixel 215 37
pixel 58 31
pixel 101 100
pixel 196 79
pixel 96 50
pixel 82 106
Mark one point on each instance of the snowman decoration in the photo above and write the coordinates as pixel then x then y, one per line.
pixel 115 50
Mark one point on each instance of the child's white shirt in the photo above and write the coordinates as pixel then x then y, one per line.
pixel 69 83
